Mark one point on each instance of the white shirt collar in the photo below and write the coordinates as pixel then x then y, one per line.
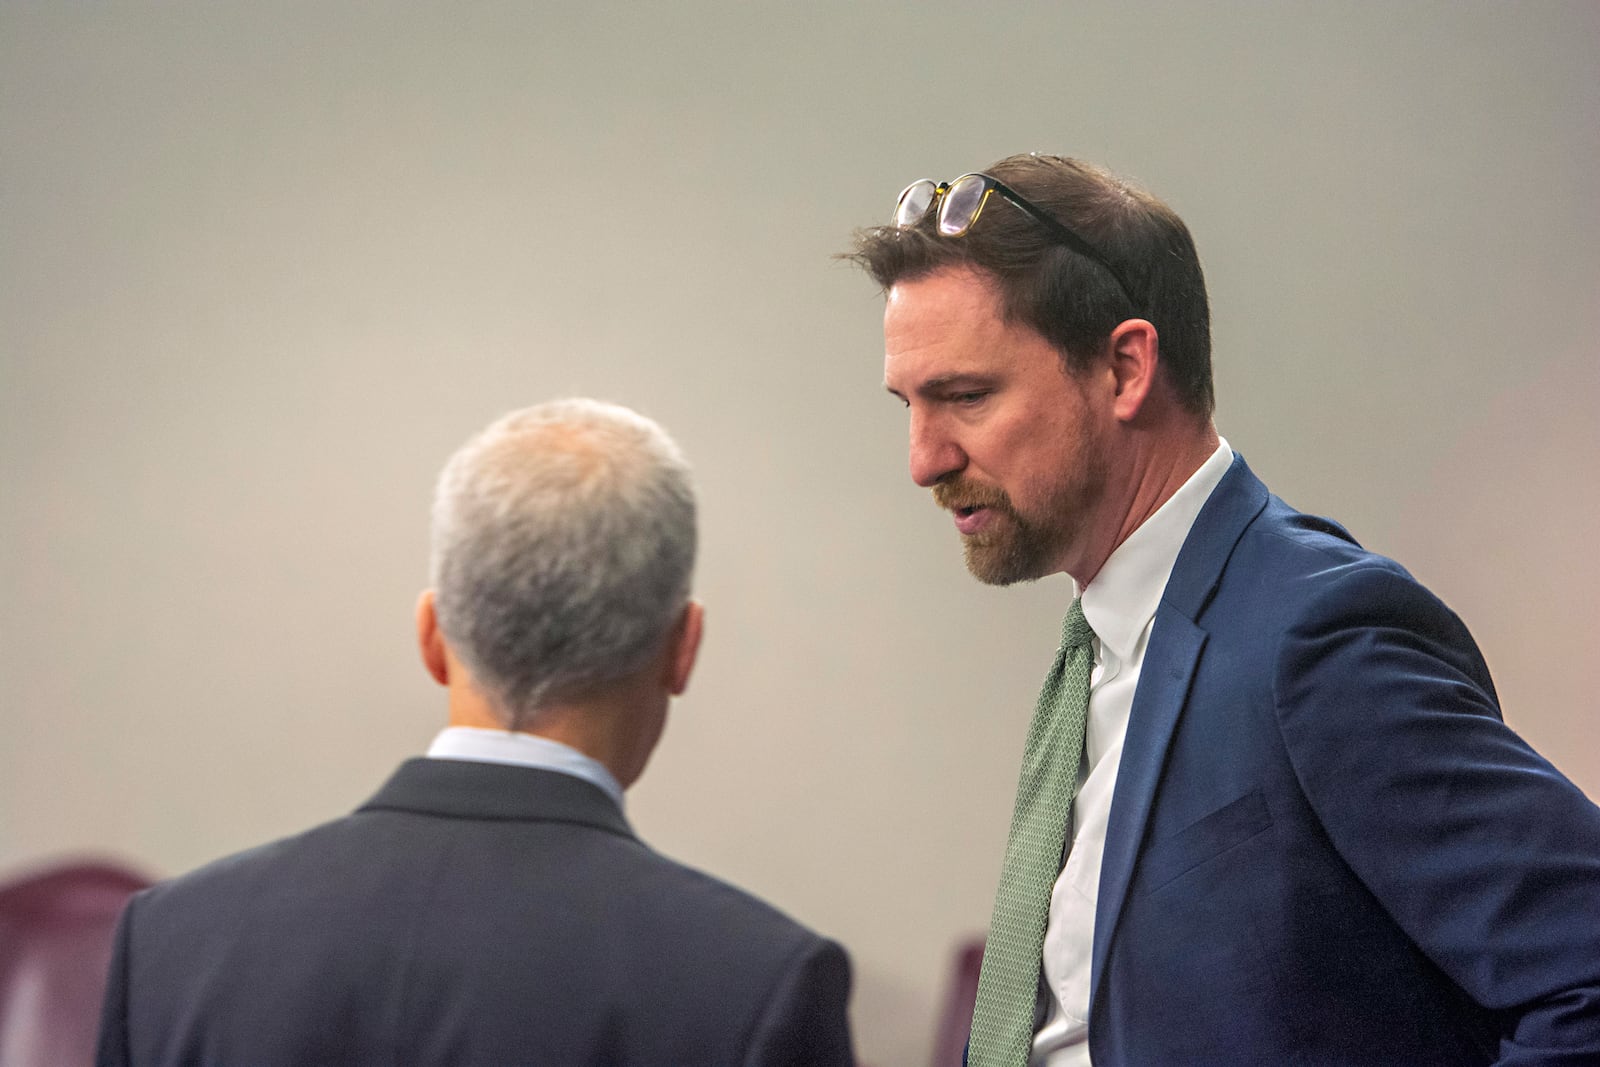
pixel 1121 600
pixel 523 750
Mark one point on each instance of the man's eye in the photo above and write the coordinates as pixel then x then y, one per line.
pixel 968 399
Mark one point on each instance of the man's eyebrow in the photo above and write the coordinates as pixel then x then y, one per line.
pixel 947 383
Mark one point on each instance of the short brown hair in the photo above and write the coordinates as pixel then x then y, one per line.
pixel 1071 301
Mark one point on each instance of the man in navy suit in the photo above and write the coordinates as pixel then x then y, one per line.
pixel 1302 833
pixel 490 905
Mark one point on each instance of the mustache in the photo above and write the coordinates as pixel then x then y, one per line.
pixel 958 494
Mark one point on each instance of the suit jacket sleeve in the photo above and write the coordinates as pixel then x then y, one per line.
pixel 805 1021
pixel 112 1050
pixel 1482 852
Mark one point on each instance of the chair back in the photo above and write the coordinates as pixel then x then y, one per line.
pixel 955 1021
pixel 56 928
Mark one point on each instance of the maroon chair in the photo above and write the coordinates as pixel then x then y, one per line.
pixel 56 928
pixel 955 1021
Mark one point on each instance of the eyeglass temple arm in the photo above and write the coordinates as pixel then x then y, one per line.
pixel 1066 236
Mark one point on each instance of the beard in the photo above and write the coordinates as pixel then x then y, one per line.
pixel 1023 547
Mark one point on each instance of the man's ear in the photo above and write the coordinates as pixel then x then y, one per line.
pixel 1135 361
pixel 684 647
pixel 430 640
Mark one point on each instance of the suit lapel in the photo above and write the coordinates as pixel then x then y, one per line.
pixel 1163 683
pixel 1170 661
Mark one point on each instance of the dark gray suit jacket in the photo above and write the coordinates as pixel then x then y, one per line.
pixel 470 913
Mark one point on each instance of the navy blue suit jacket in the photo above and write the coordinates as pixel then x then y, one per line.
pixel 1325 847
pixel 470 913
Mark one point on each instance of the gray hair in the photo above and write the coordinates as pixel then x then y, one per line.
pixel 563 549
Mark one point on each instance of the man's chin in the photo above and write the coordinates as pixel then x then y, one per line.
pixel 995 563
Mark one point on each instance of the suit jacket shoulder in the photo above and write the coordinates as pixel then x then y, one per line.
pixel 469 913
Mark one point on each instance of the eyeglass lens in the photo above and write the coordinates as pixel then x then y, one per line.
pixel 914 203
pixel 962 202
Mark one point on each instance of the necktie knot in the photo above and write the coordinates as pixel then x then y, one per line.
pixel 1075 629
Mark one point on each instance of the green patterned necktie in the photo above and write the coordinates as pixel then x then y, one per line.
pixel 1002 1020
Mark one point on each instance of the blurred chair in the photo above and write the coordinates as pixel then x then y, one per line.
pixel 56 928
pixel 955 1020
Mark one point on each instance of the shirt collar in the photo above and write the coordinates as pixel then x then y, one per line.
pixel 523 750
pixel 1122 599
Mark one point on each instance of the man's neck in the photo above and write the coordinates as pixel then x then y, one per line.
pixel 1158 468
pixel 614 727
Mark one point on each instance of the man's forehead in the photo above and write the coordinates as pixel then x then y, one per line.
pixel 948 309
pixel 946 325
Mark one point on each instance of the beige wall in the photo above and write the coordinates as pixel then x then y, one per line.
pixel 266 265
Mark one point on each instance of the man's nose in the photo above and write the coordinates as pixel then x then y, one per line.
pixel 934 456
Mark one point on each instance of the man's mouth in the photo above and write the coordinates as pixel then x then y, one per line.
pixel 970 520
pixel 974 507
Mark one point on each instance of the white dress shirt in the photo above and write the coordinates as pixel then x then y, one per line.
pixel 1120 605
pixel 473 743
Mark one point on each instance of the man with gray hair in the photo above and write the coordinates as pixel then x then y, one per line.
pixel 491 905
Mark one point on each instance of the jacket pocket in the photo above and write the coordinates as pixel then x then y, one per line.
pixel 1208 837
